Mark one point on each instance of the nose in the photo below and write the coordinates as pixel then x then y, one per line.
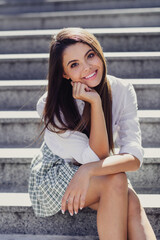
pixel 86 66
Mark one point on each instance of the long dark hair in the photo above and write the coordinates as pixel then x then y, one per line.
pixel 59 99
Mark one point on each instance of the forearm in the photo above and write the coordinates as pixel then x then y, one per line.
pixel 98 138
pixel 113 164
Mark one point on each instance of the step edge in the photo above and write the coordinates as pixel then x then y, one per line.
pixel 23 200
pixel 110 55
pixel 95 31
pixel 146 115
pixel 22 155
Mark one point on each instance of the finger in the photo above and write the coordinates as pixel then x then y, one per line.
pixel 82 200
pixel 74 89
pixel 85 88
pixel 81 92
pixel 76 203
pixel 78 89
pixel 64 202
pixel 70 205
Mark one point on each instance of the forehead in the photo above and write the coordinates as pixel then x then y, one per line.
pixel 75 50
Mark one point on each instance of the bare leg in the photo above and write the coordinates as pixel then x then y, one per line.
pixel 111 192
pixel 139 227
pixel 113 210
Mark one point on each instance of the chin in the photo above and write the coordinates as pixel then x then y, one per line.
pixel 94 84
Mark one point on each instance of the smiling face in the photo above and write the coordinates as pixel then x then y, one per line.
pixel 82 64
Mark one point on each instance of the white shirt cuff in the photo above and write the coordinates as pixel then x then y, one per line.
pixel 136 151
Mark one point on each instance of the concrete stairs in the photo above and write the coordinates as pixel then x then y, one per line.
pixel 136 39
pixel 25 6
pixel 141 17
pixel 129 32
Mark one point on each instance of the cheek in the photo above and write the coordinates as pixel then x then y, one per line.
pixel 75 74
pixel 98 62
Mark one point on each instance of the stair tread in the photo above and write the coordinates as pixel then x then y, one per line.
pixel 38 83
pixel 21 56
pixel 28 153
pixel 12 115
pixel 102 31
pixel 23 200
pixel 42 237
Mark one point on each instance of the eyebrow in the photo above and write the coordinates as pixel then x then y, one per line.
pixel 77 60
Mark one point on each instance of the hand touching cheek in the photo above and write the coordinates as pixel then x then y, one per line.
pixel 83 92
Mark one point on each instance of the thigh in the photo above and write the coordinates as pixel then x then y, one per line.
pixel 94 206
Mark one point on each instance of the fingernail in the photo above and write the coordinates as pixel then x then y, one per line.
pixel 75 212
pixel 71 214
pixel 81 208
pixel 62 211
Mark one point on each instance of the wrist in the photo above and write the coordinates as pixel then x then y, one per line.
pixel 96 102
pixel 89 169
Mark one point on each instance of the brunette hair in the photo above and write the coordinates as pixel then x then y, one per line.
pixel 60 103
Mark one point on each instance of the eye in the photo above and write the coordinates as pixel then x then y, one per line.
pixel 91 55
pixel 74 65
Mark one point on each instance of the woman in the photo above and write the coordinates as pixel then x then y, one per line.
pixel 85 112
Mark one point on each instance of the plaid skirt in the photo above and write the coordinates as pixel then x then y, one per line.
pixel 49 178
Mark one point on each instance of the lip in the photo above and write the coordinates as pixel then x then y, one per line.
pixel 93 75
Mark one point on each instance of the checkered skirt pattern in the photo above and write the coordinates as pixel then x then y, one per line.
pixel 49 178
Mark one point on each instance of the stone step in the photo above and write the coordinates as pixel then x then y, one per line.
pixel 16 123
pixel 15 163
pixel 17 217
pixel 23 95
pixel 46 237
pixel 16 6
pixel 146 179
pixel 120 64
pixel 140 17
pixel 116 40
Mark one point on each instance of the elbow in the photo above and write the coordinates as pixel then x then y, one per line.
pixel 137 164
pixel 101 152
pixel 104 155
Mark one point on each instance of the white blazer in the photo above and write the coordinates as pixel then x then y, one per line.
pixel 74 145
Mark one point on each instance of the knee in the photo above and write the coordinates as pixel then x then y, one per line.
pixel 116 183
pixel 134 205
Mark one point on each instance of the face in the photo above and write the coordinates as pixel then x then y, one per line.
pixel 81 64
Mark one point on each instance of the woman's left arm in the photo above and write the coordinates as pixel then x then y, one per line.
pixel 130 155
pixel 113 164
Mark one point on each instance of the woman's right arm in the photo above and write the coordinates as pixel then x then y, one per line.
pixel 98 139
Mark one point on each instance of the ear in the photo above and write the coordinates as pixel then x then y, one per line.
pixel 65 76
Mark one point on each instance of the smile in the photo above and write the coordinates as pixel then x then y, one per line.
pixel 91 75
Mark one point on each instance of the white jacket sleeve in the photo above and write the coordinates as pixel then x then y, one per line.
pixel 129 139
pixel 70 144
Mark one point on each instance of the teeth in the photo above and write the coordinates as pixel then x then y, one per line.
pixel 91 75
